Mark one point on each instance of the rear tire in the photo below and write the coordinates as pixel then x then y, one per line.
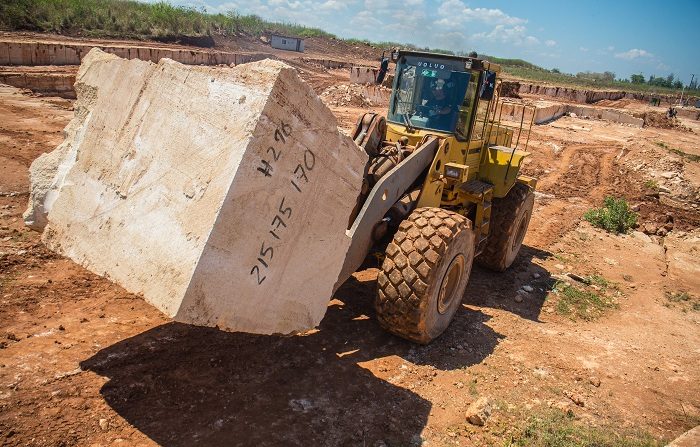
pixel 425 272
pixel 510 218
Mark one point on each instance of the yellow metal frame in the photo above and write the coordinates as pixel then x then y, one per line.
pixel 485 162
pixel 489 166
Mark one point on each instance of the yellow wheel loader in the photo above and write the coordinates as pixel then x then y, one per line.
pixel 442 189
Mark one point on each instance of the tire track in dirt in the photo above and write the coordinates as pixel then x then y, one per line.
pixel 579 179
pixel 584 170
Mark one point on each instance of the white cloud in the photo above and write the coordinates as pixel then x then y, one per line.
pixel 448 24
pixel 634 53
pixel 374 5
pixel 515 35
pixel 332 5
pixel 366 19
pixel 583 49
pixel 459 12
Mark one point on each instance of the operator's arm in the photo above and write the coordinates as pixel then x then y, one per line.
pixel 444 110
pixel 439 109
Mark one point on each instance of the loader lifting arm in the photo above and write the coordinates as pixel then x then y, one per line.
pixel 385 193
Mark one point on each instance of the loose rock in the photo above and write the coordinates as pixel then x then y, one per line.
pixel 575 398
pixel 479 411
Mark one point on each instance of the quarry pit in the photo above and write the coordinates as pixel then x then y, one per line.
pixel 85 361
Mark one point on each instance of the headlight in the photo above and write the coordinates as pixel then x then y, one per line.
pixel 456 172
pixel 453 172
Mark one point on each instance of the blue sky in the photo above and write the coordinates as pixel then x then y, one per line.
pixel 624 37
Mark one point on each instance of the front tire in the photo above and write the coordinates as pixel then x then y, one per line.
pixel 425 272
pixel 510 218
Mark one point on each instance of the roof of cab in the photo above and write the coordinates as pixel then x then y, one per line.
pixel 477 63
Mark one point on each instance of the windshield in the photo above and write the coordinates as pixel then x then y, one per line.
pixel 431 95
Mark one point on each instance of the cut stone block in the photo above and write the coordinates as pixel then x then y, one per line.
pixel 221 195
pixel 363 75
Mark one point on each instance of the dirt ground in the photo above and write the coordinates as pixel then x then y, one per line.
pixel 82 362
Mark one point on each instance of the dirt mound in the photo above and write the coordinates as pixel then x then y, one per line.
pixel 660 120
pixel 354 95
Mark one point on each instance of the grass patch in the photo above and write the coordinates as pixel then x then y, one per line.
pixel 136 20
pixel 651 184
pixel 132 19
pixel 561 258
pixel 685 155
pixel 680 153
pixel 582 304
pixel 683 300
pixel 558 429
pixel 614 217
pixel 599 281
pixel 472 388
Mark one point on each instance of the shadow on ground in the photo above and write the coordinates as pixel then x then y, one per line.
pixel 498 290
pixel 183 385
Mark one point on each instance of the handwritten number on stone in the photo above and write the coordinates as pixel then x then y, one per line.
pixel 264 251
pixel 257 269
pixel 275 154
pixel 309 160
pixel 266 169
pixel 285 211
pixel 281 134
pixel 286 128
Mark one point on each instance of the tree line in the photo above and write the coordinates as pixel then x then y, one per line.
pixel 669 81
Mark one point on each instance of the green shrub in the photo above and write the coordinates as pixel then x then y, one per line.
pixel 683 300
pixel 615 216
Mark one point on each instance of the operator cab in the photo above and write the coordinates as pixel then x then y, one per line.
pixel 438 92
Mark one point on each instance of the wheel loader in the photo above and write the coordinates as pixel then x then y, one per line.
pixel 442 189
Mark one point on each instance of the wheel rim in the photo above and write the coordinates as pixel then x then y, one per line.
pixel 450 282
pixel 520 234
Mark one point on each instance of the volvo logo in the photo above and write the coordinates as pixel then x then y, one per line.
pixel 431 65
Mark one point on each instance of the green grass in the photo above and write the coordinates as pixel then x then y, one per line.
pixel 600 281
pixel 472 388
pixel 614 217
pixel 579 303
pixel 131 19
pixel 687 156
pixel 684 300
pixel 558 429
pixel 651 184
